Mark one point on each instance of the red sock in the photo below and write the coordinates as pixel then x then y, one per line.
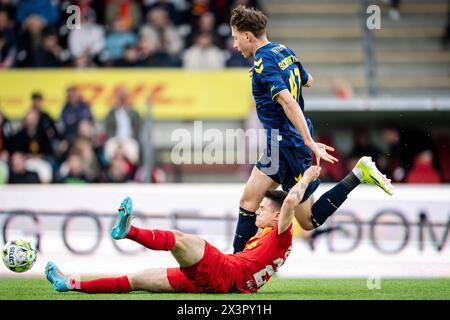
pixel 105 285
pixel 153 239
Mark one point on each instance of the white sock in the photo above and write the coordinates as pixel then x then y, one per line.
pixel 358 173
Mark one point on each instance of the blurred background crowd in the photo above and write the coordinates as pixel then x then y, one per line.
pixel 78 149
pixel 192 34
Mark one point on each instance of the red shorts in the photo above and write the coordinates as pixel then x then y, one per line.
pixel 215 272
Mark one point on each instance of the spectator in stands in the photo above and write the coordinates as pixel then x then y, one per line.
pixel 74 110
pixel 160 34
pixel 18 172
pixel 196 10
pixel 131 58
pixel 403 146
pixel 157 174
pixel 46 9
pixel 89 161
pixel 127 12
pixel 7 25
pixel 29 40
pixel 8 41
pixel 423 170
pixel 74 167
pixel 86 6
pixel 84 61
pixel 32 139
pixel 49 54
pixel 172 7
pixel 147 53
pixel 118 39
pixel 7 52
pixel 343 89
pixel 87 131
pixel 46 123
pixel 123 121
pixel 394 13
pixel 363 146
pixel 123 128
pixel 6 135
pixel 206 24
pixel 10 8
pixel 120 169
pixel 204 55
pixel 89 40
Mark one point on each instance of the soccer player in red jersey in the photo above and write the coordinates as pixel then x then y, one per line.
pixel 203 268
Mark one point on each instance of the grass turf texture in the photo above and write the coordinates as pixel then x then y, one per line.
pixel 276 289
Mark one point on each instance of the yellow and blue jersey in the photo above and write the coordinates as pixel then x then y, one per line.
pixel 276 68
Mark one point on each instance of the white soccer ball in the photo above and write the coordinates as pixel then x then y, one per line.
pixel 19 255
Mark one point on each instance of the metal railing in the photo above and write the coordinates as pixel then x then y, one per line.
pixel 369 52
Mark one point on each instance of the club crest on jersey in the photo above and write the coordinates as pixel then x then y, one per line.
pixel 259 67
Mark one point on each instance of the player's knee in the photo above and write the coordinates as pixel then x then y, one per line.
pixel 179 236
pixel 308 226
pixel 305 222
pixel 133 279
pixel 248 204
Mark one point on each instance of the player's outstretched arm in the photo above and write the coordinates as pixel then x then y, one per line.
pixel 294 198
pixel 295 115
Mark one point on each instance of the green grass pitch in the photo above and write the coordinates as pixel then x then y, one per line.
pixel 19 288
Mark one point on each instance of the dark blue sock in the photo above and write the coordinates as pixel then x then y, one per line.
pixel 245 229
pixel 331 200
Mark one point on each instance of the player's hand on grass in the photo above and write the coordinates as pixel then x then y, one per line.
pixel 312 173
pixel 320 151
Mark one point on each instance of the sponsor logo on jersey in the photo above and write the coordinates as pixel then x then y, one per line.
pixel 286 62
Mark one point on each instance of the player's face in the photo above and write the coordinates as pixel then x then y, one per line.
pixel 266 215
pixel 241 42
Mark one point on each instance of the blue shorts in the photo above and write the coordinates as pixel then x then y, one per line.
pixel 293 162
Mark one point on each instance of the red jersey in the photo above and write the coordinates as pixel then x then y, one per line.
pixel 245 271
pixel 263 255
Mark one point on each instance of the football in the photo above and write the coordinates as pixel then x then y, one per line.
pixel 19 255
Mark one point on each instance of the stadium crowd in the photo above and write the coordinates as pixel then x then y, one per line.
pixel 70 150
pixel 78 149
pixel 194 34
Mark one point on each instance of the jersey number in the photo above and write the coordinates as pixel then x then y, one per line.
pixel 260 276
pixel 295 83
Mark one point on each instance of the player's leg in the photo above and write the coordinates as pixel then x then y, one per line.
pixel 153 280
pixel 303 214
pixel 187 249
pixel 295 162
pixel 163 280
pixel 63 283
pixel 257 184
pixel 318 212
